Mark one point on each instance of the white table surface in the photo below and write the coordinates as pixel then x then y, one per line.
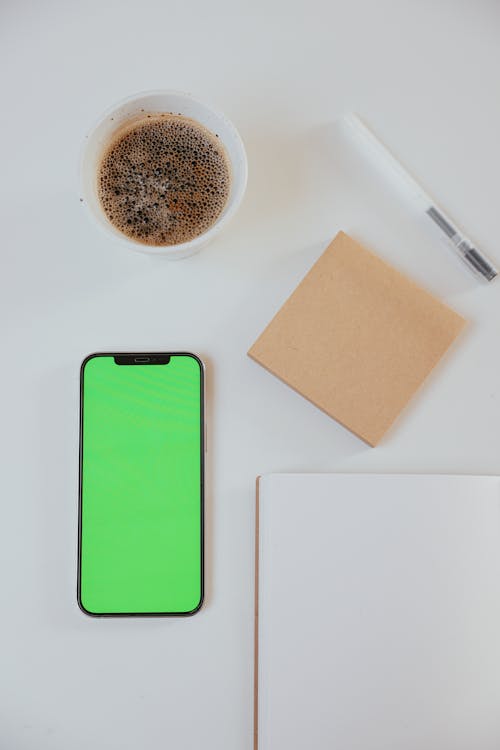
pixel 425 76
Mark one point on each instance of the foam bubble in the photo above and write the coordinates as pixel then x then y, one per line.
pixel 164 179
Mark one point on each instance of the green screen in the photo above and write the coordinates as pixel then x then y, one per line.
pixel 141 496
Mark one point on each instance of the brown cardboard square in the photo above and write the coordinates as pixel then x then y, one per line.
pixel 357 338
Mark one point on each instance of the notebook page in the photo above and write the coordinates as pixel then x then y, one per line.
pixel 379 612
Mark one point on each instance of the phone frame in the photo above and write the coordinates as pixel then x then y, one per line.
pixel 202 482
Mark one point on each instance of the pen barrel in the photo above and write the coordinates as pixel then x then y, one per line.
pixel 389 165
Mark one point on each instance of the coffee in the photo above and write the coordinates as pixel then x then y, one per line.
pixel 164 179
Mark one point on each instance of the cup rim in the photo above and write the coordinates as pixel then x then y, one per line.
pixel 183 248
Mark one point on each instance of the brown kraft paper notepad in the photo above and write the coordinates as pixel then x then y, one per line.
pixel 357 338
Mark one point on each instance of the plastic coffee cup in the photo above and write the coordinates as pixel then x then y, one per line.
pixel 154 102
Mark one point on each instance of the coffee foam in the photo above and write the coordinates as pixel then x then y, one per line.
pixel 164 179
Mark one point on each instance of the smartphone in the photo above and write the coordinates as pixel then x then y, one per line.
pixel 140 535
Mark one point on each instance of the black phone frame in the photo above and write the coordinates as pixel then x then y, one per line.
pixel 151 355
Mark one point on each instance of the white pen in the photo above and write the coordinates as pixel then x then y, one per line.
pixel 475 260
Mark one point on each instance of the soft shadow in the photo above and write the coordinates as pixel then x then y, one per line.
pixel 209 499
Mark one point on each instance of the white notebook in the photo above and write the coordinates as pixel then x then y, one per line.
pixel 378 612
